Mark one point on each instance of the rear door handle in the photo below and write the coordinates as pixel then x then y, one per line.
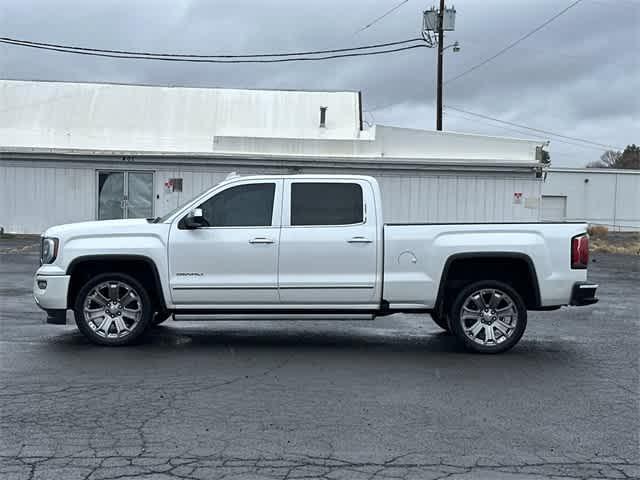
pixel 261 240
pixel 359 240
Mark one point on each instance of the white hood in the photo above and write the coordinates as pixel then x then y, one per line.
pixel 98 227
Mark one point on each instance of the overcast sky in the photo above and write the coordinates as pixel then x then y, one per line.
pixel 579 76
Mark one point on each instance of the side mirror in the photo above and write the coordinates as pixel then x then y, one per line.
pixel 195 219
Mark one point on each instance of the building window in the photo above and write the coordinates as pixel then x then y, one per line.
pixel 326 204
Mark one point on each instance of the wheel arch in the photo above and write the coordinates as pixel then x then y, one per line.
pixel 86 266
pixel 459 263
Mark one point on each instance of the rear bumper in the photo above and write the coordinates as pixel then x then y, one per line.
pixel 583 293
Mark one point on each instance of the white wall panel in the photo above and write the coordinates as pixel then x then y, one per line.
pixel 136 117
pixel 35 198
pixel 627 201
pixel 36 195
pixel 406 198
pixel 459 198
pixel 598 196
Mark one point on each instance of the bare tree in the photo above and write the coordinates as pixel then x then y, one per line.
pixel 629 159
pixel 608 159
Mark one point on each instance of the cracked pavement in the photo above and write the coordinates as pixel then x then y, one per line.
pixel 389 399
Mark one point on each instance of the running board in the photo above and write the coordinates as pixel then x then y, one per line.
pixel 271 316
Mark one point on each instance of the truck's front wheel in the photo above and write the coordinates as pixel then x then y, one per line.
pixel 488 317
pixel 113 309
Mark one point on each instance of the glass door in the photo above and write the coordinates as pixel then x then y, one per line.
pixel 139 199
pixel 111 195
pixel 125 195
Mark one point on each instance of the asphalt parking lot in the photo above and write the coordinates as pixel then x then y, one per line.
pixel 393 398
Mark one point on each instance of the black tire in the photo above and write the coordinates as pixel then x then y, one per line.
pixel 441 320
pixel 142 301
pixel 499 344
pixel 160 317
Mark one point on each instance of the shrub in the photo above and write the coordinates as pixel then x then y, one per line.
pixel 598 231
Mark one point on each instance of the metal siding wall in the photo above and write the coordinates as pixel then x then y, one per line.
pixel 607 198
pixel 35 198
pixel 406 198
pixel 460 198
pixel 627 206
pixel 36 195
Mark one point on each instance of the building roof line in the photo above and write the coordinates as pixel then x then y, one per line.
pixel 593 170
pixel 272 159
pixel 156 85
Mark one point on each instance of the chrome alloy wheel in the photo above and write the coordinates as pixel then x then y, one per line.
pixel 489 317
pixel 112 309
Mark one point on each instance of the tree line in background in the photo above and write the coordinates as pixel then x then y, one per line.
pixel 629 159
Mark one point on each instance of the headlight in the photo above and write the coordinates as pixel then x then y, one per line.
pixel 48 250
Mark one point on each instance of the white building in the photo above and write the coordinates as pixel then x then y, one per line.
pixel 595 195
pixel 81 151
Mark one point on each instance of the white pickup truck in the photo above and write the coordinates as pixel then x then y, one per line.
pixel 307 247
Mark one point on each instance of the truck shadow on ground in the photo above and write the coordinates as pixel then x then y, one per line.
pixel 304 338
pixel 283 339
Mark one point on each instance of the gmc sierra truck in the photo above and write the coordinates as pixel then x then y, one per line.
pixel 307 247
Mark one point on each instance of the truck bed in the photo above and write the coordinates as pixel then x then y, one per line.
pixel 417 255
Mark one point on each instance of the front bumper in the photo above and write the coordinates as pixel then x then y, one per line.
pixel 583 293
pixel 50 291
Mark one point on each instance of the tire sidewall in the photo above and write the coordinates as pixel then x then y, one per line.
pixel 139 329
pixel 456 325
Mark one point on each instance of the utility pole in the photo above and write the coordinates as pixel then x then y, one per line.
pixel 434 23
pixel 440 54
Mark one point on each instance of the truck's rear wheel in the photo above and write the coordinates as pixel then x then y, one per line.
pixel 488 317
pixel 113 309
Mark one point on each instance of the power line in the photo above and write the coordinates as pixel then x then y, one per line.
pixel 513 44
pixel 546 132
pixel 485 122
pixel 387 13
pixel 29 43
pixel 212 60
pixel 521 131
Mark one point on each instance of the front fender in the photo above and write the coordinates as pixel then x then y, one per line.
pixel 151 248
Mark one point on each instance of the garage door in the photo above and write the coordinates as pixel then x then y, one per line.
pixel 554 208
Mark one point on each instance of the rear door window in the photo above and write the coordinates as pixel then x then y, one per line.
pixel 326 204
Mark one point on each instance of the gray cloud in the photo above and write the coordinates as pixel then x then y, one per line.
pixel 578 76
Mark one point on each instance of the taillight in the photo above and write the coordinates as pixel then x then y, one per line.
pixel 580 251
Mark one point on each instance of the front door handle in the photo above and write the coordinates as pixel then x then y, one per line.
pixel 261 240
pixel 359 240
